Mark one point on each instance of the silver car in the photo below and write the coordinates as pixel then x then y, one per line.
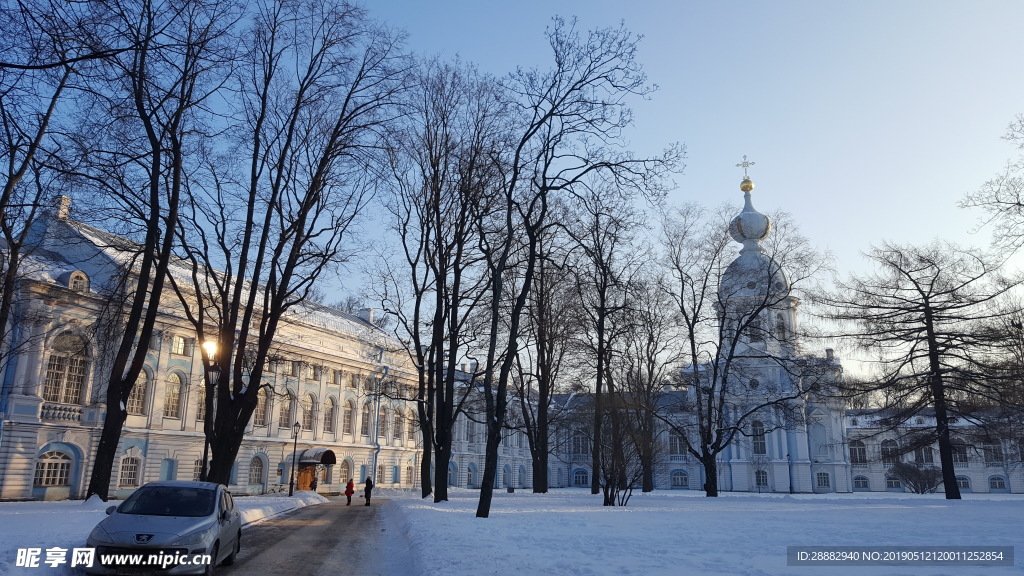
pixel 168 528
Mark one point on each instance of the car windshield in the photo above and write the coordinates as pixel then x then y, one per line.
pixel 170 501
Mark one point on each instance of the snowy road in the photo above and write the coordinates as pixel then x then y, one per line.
pixel 330 539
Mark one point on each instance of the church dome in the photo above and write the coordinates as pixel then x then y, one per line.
pixel 752 273
pixel 749 226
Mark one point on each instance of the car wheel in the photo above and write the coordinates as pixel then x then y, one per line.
pixel 234 553
pixel 213 561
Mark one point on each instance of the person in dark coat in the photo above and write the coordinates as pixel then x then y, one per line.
pixel 368 489
pixel 350 489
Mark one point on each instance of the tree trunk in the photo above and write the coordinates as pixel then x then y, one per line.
pixel 710 476
pixel 540 451
pixel 483 508
pixel 106 450
pixel 945 444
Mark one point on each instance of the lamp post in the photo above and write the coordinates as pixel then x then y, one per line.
pixel 212 378
pixel 295 449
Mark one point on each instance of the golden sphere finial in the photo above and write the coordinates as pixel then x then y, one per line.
pixel 747 185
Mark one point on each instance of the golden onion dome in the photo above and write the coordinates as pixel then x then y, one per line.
pixel 747 185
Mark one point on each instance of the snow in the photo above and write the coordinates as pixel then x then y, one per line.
pixel 567 532
pixel 66 524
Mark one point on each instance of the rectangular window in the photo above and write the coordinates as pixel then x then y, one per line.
pixel 181 346
pixel 823 480
pixel 993 454
pixel 296 368
pixel 858 453
pixel 129 476
pixel 339 377
pixel 54 378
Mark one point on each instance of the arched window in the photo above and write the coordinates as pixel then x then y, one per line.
pixel 382 423
pixel 256 470
pixel 364 424
pixel 997 484
pixel 284 417
pixel 330 413
pixel 858 453
pixel 130 475
pixel 680 479
pixel 172 396
pixel 396 429
pixel 346 425
pixel 346 471
pixel 580 478
pixel 861 483
pixel 923 455
pixel 760 446
pixel 78 282
pixel 197 469
pixel 890 453
pixel 136 405
pixel 893 483
pixel 65 370
pixel 53 469
pixel 963 483
pixel 308 412
pixel 259 415
pixel 411 431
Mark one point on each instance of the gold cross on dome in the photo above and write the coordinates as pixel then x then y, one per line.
pixel 745 164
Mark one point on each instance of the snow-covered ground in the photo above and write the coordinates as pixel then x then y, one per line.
pixel 67 524
pixel 568 532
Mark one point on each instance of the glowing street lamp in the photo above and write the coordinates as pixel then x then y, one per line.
pixel 212 378
pixel 295 449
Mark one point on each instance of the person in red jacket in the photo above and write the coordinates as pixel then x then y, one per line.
pixel 350 489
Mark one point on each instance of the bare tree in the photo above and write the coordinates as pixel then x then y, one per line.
pixel 443 176
pixel 739 323
pixel 553 323
pixel 567 124
pixel 315 94
pixel 604 269
pixel 30 150
pixel 1002 198
pixel 921 312
pixel 649 359
pixel 153 98
pixel 921 479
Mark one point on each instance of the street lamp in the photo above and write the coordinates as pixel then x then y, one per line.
pixel 295 449
pixel 212 378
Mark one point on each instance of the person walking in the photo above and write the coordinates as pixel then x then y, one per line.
pixel 368 489
pixel 350 489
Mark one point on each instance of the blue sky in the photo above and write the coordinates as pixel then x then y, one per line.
pixel 867 120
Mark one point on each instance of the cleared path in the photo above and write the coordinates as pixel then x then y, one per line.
pixel 328 539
